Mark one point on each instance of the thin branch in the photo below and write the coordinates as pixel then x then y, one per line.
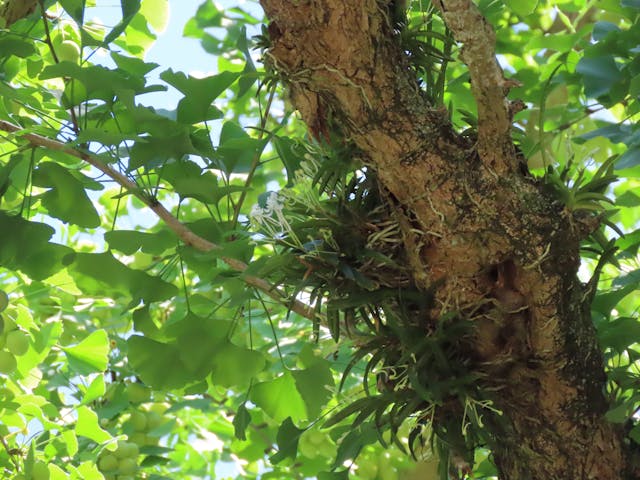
pixel 488 84
pixel 184 233
pixel 256 159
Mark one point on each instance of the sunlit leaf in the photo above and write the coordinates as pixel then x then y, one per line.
pixel 90 355
pixel 157 13
pixel 287 438
pixel 279 398
pixel 89 427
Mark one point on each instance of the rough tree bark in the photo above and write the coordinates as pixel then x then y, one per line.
pixel 13 10
pixel 489 233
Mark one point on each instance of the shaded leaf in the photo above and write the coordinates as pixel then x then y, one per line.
pixel 291 153
pixel 28 248
pixel 66 199
pixel 199 94
pixel 102 274
pixel 235 366
pixel 341 475
pixel 601 75
pixel 157 364
pixel 130 241
pixel 619 333
pixel 287 438
pixel 241 421
pixel 129 9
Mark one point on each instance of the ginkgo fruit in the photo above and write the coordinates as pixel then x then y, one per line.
pixel 17 342
pixel 8 325
pixel 6 394
pixel 4 300
pixel 8 362
pixel 127 466
pixel 154 420
pixel 139 421
pixel 126 450
pixel 108 463
pixel 40 471
pixel 68 51
pixel 138 393
pixel 368 470
pixel 74 94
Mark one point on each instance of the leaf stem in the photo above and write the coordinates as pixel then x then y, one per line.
pixel 256 158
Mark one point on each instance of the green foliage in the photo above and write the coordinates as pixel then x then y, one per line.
pixel 127 352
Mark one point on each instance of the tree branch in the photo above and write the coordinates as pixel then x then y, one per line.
pixel 488 84
pixel 464 210
pixel 184 233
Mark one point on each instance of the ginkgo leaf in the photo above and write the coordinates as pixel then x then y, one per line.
pixel 88 426
pixel 91 355
pixel 280 398
pixel 288 437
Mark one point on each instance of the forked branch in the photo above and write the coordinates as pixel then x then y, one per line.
pixel 488 84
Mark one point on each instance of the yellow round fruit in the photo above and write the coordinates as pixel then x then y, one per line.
pixel 368 469
pixel 6 394
pixel 17 342
pixel 8 362
pixel 126 450
pixel 8 325
pixel 68 51
pixel 138 438
pixel 159 408
pixel 138 393
pixel 316 437
pixel 154 420
pixel 74 94
pixel 108 463
pixel 385 469
pixel 306 448
pixel 127 466
pixel 139 421
pixel 4 300
pixel 40 471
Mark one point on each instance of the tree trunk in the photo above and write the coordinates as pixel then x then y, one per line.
pixel 13 10
pixel 502 251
